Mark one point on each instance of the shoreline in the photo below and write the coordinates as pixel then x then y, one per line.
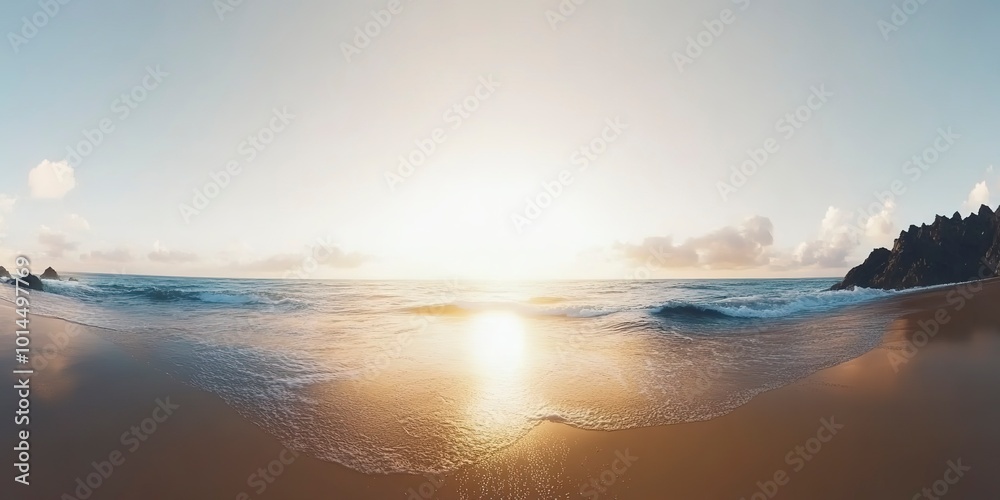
pixel 207 450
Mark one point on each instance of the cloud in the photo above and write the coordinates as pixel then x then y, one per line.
pixel 323 254
pixel 56 243
pixel 732 247
pixel 162 254
pixel 7 204
pixel 837 239
pixel 660 252
pixel 75 222
pixel 331 256
pixel 273 264
pixel 880 225
pixel 117 255
pixel 737 247
pixel 841 233
pixel 51 180
pixel 6 207
pixel 979 196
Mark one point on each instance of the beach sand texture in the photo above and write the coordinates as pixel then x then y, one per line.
pixel 889 424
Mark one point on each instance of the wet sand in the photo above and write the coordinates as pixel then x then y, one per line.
pixel 886 425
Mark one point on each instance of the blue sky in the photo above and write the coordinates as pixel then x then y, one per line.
pixel 532 89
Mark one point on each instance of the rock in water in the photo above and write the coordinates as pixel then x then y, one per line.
pixel 33 283
pixel 50 274
pixel 4 273
pixel 948 251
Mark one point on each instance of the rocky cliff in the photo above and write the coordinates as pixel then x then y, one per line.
pixel 948 251
pixel 50 274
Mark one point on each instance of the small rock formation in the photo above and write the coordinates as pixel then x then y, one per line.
pixel 4 273
pixel 34 283
pixel 73 279
pixel 50 274
pixel 948 251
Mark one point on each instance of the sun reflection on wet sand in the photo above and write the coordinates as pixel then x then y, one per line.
pixel 499 347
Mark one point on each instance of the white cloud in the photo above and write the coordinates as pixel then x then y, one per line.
pixel 880 226
pixel 323 255
pixel 7 204
pixel 78 223
pixel 162 254
pixel 835 242
pixel 51 179
pixel 733 247
pixel 841 233
pixel 56 243
pixel 979 196
pixel 660 251
pixel 737 247
pixel 117 255
pixel 272 264
pixel 6 207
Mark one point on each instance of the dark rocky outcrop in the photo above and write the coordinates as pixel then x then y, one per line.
pixel 4 273
pixel 50 274
pixel 951 250
pixel 33 283
pixel 73 279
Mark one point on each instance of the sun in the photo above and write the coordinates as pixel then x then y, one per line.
pixel 497 341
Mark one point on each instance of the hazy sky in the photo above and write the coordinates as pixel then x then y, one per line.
pixel 631 112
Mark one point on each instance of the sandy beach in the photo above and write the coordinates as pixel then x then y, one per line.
pixel 917 412
pixel 406 250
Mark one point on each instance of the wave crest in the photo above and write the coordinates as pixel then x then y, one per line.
pixel 765 307
pixel 162 294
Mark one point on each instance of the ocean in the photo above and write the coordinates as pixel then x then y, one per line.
pixel 428 376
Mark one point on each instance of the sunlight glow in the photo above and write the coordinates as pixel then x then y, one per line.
pixel 498 342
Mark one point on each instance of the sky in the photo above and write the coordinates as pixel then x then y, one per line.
pixel 495 140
